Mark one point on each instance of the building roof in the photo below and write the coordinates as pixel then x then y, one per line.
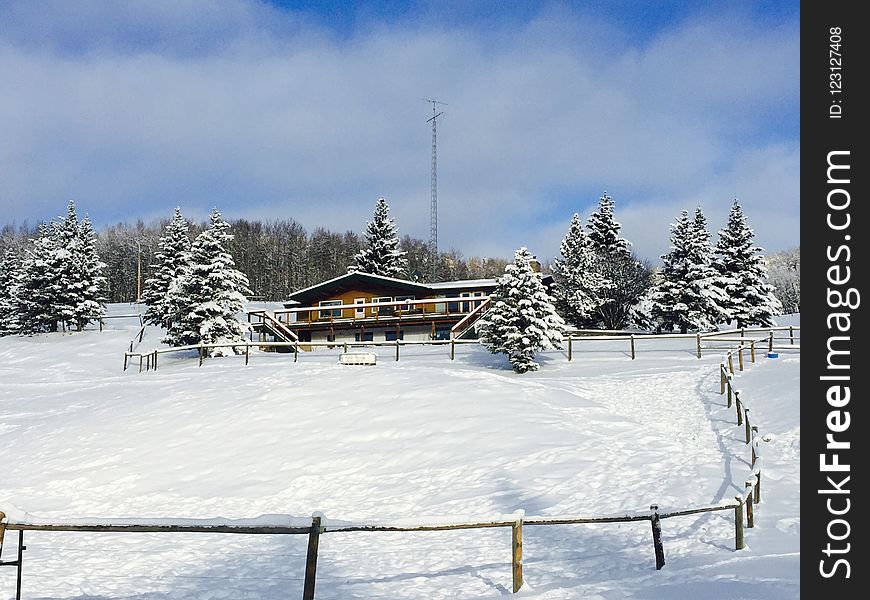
pixel 350 281
pixel 463 283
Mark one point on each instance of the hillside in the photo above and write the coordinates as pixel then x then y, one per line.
pixel 420 439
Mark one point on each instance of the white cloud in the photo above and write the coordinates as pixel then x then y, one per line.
pixel 267 116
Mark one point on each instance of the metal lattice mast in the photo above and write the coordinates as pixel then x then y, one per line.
pixel 433 208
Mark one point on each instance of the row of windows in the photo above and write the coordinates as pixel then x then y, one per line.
pixel 360 313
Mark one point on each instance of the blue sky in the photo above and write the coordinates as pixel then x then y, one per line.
pixel 311 110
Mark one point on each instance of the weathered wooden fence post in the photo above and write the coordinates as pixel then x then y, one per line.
pixel 452 348
pixel 126 356
pixel 746 423
pixel 752 350
pixel 698 343
pixel 655 521
pixel 517 555
pixel 722 379
pixel 397 349
pixel 738 524
pixel 754 444
pixel 296 351
pixel 311 560
pixel 739 407
pixel 770 341
pixel 740 356
pixel 570 349
pixel 247 353
pixel 632 347
pixel 155 360
pixel 750 515
pixel 731 362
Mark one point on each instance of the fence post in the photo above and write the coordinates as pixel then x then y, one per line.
pixel 21 549
pixel 201 354
pixel 750 516
pixel 155 360
pixel 721 379
pixel 752 350
pixel 632 346
pixel 740 356
pixel 570 348
pixel 345 347
pixel 739 407
pixel 738 524
pixel 126 356
pixel 452 348
pixel 517 555
pixel 311 560
pixel 247 353
pixel 101 324
pixel 758 486
pixel 754 444
pixel 140 363
pixel 731 362
pixel 746 422
pixel 791 335
pixel 770 341
pixel 698 343
pixel 296 351
pixel 657 537
pixel 397 349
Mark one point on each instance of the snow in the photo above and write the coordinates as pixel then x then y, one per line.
pixel 421 441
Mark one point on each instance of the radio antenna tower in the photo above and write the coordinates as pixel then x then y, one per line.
pixel 433 217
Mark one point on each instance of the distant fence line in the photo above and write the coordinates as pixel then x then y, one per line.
pixel 742 503
pixel 149 360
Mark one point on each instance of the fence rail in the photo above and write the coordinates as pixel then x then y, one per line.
pixel 149 360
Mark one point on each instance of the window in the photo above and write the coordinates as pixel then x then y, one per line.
pixel 390 335
pixel 367 336
pixel 442 333
pixel 387 310
pixel 326 314
pixel 404 307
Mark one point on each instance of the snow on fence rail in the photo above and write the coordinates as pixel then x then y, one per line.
pixel 317 525
pixel 148 360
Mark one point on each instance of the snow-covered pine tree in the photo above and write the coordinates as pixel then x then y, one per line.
pixel 171 260
pixel 578 284
pixel 750 299
pixel 522 318
pixel 37 296
pixel 210 294
pixel 10 274
pixel 91 283
pixel 381 254
pixel 604 230
pixel 687 297
pixel 628 278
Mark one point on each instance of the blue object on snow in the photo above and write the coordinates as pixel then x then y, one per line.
pixel 773 355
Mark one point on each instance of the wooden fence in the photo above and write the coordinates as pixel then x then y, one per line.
pixel 149 360
pixel 742 504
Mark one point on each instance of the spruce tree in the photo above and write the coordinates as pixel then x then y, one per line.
pixel 210 294
pixel 522 318
pixel 604 230
pixel 90 282
pixel 171 260
pixel 37 296
pixel 381 254
pixel 10 285
pixel 578 284
pixel 687 297
pixel 750 299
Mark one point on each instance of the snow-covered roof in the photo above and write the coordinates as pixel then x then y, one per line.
pixel 463 283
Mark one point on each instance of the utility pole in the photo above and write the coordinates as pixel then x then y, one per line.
pixel 433 208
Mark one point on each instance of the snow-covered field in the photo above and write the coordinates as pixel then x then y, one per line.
pixel 422 438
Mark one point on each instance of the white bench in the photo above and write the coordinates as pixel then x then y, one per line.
pixel 358 358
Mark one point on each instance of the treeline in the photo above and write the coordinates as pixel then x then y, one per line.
pixel 278 257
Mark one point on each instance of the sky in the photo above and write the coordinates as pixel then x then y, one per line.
pixel 312 110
